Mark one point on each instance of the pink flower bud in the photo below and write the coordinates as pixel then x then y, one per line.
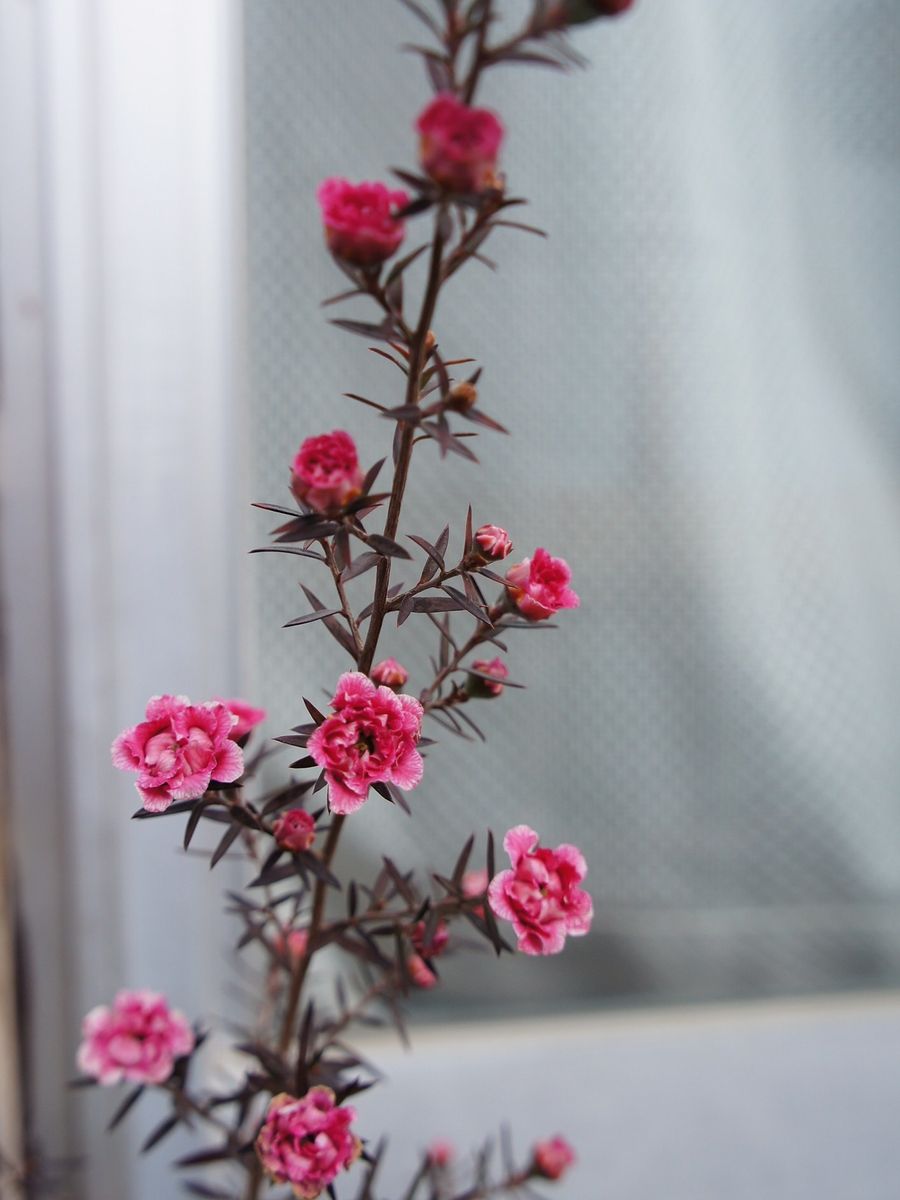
pixel 434 945
pixel 458 145
pixel 179 750
pixel 494 542
pixel 420 972
pixel 326 473
pixel 389 673
pixel 440 1153
pixel 475 883
pixel 361 226
pixel 486 689
pixel 139 1039
pixel 541 893
pixel 462 396
pixel 307 1142
pixel 292 946
pixel 539 586
pixel 553 1158
pixel 294 830
pixel 247 716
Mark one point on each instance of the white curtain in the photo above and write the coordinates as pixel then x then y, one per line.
pixel 699 370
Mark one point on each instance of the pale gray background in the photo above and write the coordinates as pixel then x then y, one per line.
pixel 716 317
pixel 699 370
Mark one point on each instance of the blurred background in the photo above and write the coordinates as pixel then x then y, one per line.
pixel 698 369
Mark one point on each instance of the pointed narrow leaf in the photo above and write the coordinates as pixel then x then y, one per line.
pixel 433 604
pixel 406 607
pixel 464 602
pixel 371 475
pixel 287 550
pixel 125 1107
pixel 162 1130
pixel 308 618
pixel 276 508
pixel 364 400
pixel 387 547
pixel 400 266
pixel 193 821
pixel 381 333
pixel 463 861
pixel 432 551
pixel 228 838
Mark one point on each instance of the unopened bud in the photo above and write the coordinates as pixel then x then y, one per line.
pixel 292 945
pixel 493 542
pixel 475 883
pixel 294 830
pixel 462 397
pixel 480 688
pixel 420 972
pixel 440 1153
pixel 389 673
pixel 433 945
pixel 552 1159
pixel 430 341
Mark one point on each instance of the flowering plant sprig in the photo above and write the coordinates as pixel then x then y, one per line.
pixel 287 1119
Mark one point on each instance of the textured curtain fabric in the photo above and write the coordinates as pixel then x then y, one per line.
pixel 699 370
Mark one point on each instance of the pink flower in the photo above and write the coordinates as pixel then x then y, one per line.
pixel 440 1153
pixel 248 717
pixel 433 946
pixel 178 750
pixel 420 972
pixel 539 586
pixel 458 145
pixel 390 673
pixel 478 686
pixel 475 883
pixel 371 738
pixel 360 220
pixel 540 894
pixel 294 830
pixel 494 542
pixel 307 1142
pixel 326 473
pixel 426 947
pixel 291 945
pixel 553 1158
pixel 138 1039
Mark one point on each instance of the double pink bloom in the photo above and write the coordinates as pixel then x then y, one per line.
pixel 307 1142
pixel 326 473
pixel 361 226
pixel 540 894
pixel 539 586
pixel 459 145
pixel 179 750
pixel 371 738
pixel 138 1038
